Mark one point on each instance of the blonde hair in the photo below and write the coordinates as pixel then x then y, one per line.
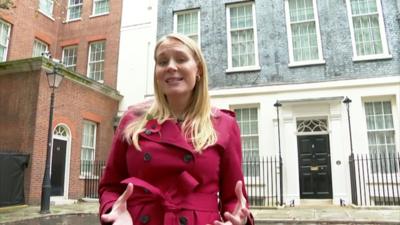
pixel 197 125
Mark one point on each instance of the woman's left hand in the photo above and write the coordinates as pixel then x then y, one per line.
pixel 241 213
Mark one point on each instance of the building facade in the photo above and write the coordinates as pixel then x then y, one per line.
pixel 37 36
pixel 135 61
pixel 308 56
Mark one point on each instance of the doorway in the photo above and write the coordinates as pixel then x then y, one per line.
pixel 58 167
pixel 314 167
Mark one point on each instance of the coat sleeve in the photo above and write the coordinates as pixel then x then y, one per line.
pixel 116 171
pixel 231 169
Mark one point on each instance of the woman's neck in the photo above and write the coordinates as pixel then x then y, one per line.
pixel 178 108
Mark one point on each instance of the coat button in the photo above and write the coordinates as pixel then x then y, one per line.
pixel 183 220
pixel 147 132
pixel 187 158
pixel 147 157
pixel 145 190
pixel 153 126
pixel 144 219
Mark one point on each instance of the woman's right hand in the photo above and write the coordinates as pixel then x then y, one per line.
pixel 119 214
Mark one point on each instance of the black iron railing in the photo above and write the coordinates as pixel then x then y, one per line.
pixel 91 171
pixel 377 179
pixel 261 176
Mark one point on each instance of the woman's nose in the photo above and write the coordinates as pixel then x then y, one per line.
pixel 171 65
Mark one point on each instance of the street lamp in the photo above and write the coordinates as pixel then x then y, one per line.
pixel 277 105
pixel 353 183
pixel 54 79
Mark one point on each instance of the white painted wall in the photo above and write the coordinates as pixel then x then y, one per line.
pixel 315 100
pixel 135 62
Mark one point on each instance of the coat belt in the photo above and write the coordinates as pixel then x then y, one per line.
pixel 190 201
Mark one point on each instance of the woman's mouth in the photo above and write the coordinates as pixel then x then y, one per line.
pixel 173 79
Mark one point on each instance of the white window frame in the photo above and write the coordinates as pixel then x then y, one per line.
pixel 83 172
pixel 94 8
pixel 5 46
pixel 197 11
pixel 70 6
pixel 385 48
pixel 100 61
pixel 256 65
pixel 292 62
pixel 44 11
pixel 233 108
pixel 35 42
pixel 395 119
pixel 75 56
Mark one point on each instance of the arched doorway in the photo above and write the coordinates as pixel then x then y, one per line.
pixel 60 161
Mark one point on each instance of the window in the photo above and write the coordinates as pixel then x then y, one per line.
pixel 39 47
pixel 367 29
pixel 96 61
pixel 242 37
pixel 46 7
pixel 100 7
pixel 303 32
pixel 69 57
pixel 74 9
pixel 5 29
pixel 247 119
pixel 381 133
pixel 88 147
pixel 187 23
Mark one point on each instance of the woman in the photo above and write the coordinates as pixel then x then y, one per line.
pixel 178 160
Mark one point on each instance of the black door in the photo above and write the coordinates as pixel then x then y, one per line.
pixel 314 166
pixel 58 167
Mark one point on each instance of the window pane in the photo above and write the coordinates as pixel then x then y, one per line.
pixel 366 27
pixel 74 9
pixel 363 7
pixel 46 6
pixel 187 23
pixel 101 6
pixel 88 147
pixel 69 57
pixel 39 48
pixel 248 121
pixel 243 46
pixel 4 36
pixel 304 31
pixel 381 134
pixel 96 60
pixel 242 35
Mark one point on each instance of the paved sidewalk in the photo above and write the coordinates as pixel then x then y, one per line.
pixel 9 215
pixel 327 215
pixel 86 213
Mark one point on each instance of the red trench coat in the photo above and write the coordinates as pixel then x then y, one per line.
pixel 174 185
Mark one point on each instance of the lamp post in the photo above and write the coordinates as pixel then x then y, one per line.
pixel 277 105
pixel 353 184
pixel 54 79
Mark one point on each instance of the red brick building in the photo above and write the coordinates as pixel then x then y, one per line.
pixel 84 36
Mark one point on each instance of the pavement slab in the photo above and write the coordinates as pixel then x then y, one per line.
pixel 85 213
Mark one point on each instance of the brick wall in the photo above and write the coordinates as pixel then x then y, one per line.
pixel 25 95
pixel 25 101
pixel 29 23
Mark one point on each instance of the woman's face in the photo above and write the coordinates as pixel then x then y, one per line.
pixel 175 70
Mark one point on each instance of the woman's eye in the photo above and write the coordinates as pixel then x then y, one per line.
pixel 162 62
pixel 181 60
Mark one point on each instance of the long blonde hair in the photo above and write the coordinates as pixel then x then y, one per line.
pixel 197 125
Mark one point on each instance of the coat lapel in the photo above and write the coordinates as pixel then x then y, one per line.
pixel 166 133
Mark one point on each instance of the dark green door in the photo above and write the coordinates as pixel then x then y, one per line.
pixel 314 166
